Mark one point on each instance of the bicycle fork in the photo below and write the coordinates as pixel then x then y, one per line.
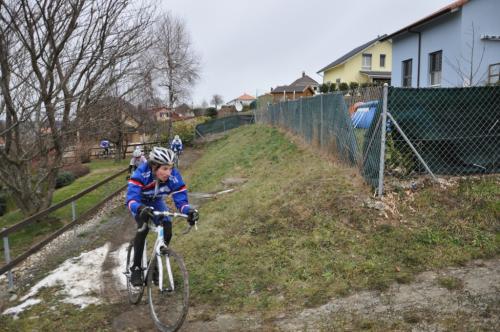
pixel 171 286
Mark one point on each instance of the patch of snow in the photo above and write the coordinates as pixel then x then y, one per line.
pixel 20 308
pixel 80 278
pixel 120 257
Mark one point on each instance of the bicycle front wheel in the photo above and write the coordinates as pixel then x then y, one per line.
pixel 176 161
pixel 168 291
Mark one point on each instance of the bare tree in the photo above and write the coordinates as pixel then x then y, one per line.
pixel 177 64
pixel 56 58
pixel 216 100
pixel 467 66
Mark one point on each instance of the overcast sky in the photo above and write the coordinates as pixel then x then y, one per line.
pixel 253 45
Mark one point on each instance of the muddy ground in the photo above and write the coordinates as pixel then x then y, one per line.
pixel 452 299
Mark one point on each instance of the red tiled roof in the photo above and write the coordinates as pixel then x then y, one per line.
pixel 245 97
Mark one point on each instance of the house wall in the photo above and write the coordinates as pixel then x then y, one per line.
pixel 442 35
pixel 451 33
pixel 349 71
pixel 404 48
pixel 485 15
pixel 332 74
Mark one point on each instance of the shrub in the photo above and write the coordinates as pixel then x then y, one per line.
pixel 353 85
pixel 185 129
pixel 343 86
pixel 323 88
pixel 64 179
pixel 78 170
pixel 211 112
pixel 332 87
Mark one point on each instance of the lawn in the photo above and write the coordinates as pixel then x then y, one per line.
pixel 297 234
pixel 23 239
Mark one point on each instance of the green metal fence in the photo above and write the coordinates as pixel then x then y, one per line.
pixel 456 131
pixel 325 121
pixel 444 131
pixel 223 124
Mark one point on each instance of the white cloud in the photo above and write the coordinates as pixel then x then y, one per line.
pixel 250 45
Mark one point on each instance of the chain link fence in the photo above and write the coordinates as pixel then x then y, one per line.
pixel 448 131
pixel 223 124
pixel 456 131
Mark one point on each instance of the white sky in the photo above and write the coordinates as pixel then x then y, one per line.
pixel 253 45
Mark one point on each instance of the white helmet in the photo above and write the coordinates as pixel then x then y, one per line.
pixel 177 137
pixel 162 156
pixel 137 153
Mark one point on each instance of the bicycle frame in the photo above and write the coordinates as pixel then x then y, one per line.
pixel 159 244
pixel 156 254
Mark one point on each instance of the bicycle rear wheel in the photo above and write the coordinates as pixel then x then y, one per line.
pixel 169 294
pixel 134 292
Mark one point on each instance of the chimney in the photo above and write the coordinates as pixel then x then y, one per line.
pixel 303 73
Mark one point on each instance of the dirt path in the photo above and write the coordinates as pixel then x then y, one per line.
pixel 423 305
pixel 452 299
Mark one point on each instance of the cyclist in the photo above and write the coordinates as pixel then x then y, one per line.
pixel 176 145
pixel 104 144
pixel 148 186
pixel 136 160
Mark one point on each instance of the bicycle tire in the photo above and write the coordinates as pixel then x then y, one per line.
pixel 169 308
pixel 176 160
pixel 134 292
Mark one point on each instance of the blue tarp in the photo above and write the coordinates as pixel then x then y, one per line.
pixel 364 114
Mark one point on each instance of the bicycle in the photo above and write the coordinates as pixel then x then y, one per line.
pixel 176 158
pixel 165 276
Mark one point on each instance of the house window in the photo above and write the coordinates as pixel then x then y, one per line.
pixel 382 60
pixel 337 81
pixel 367 61
pixel 494 74
pixel 435 62
pixel 406 70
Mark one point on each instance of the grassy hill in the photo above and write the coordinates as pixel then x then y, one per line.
pixel 296 233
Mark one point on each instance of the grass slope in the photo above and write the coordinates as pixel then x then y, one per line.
pixel 296 234
pixel 23 239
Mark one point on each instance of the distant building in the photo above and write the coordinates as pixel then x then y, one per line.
pixel 304 86
pixel 368 63
pixel 244 100
pixel 184 111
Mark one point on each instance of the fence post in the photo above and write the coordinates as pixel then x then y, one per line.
pixel 407 140
pixel 300 118
pixel 6 251
pixel 321 121
pixel 382 142
pixel 73 210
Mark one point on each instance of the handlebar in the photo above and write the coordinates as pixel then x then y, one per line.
pixel 168 214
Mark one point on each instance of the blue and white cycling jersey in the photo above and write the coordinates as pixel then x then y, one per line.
pixel 176 145
pixel 144 189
